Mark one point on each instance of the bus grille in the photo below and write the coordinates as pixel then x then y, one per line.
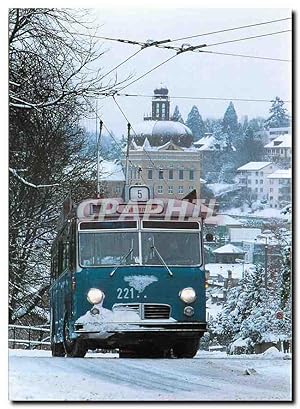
pixel 156 311
pixel 146 311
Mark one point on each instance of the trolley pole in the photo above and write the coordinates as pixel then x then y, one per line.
pixel 98 160
pixel 127 155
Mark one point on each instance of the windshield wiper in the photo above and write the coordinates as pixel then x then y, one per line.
pixel 161 259
pixel 124 258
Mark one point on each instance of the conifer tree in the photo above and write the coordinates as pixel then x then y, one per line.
pixel 177 115
pixel 195 123
pixel 230 124
pixel 279 116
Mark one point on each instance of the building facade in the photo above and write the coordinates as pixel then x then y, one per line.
pixel 253 176
pixel 161 152
pixel 280 188
pixel 280 148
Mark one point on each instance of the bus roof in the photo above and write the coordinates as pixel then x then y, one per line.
pixel 161 209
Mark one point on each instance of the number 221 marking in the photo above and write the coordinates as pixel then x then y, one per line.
pixel 125 293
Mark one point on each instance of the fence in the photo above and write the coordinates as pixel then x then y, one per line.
pixel 28 337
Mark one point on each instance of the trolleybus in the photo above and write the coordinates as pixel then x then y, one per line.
pixel 129 275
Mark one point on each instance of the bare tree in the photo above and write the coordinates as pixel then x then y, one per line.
pixel 53 75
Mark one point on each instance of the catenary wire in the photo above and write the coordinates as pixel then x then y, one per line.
pixel 119 145
pixel 199 98
pixel 232 29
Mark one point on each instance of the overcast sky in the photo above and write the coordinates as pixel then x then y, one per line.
pixel 194 74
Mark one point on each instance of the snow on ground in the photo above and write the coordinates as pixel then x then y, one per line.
pixel 268 212
pixel 35 375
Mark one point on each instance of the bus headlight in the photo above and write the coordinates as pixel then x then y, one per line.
pixel 188 295
pixel 95 296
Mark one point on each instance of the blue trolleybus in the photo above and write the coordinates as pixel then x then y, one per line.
pixel 128 276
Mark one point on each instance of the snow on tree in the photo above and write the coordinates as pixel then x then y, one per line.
pixel 195 123
pixel 177 115
pixel 279 116
pixel 230 124
pixel 49 91
pixel 249 147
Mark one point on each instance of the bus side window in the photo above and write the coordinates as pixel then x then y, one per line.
pixel 72 247
pixel 65 256
pixel 60 258
pixel 54 265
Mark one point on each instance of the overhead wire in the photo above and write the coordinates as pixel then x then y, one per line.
pixel 232 29
pixel 199 98
pixel 118 144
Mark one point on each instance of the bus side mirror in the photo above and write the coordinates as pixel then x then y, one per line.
pixel 209 237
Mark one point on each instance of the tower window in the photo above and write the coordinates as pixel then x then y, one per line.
pixel 171 174
pixel 161 174
pixel 180 174
pixel 150 174
pixel 191 175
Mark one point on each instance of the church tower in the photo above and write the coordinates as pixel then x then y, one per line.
pixel 161 104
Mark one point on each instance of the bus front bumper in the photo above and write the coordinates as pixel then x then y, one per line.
pixel 139 328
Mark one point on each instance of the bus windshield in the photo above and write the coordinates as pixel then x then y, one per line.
pixel 176 248
pixel 108 248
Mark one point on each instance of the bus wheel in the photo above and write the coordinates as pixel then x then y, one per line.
pixel 186 349
pixel 73 348
pixel 57 349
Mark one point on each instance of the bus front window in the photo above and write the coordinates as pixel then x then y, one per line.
pixel 98 249
pixel 176 248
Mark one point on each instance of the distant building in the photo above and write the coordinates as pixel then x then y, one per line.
pixel 280 188
pixel 229 254
pixel 253 176
pixel 208 145
pixel 161 152
pixel 275 132
pixel 267 135
pixel 280 147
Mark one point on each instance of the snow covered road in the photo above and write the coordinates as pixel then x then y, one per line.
pixel 35 375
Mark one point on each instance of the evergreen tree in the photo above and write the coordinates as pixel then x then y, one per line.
pixel 279 116
pixel 249 147
pixel 195 123
pixel 230 124
pixel 177 115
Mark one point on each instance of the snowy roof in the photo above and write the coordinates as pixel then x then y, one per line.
pixel 229 249
pixel 280 129
pixel 209 143
pixel 222 220
pixel 111 171
pixel 282 141
pixel 281 174
pixel 222 269
pixel 254 165
pixel 160 128
pixel 220 189
pixel 170 145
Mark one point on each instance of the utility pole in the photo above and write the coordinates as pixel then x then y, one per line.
pixel 266 264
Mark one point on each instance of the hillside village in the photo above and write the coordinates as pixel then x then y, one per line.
pixel 254 197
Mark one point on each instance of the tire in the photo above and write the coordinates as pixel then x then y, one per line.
pixel 73 348
pixel 186 349
pixel 58 349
